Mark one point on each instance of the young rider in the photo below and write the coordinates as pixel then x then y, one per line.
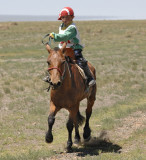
pixel 68 33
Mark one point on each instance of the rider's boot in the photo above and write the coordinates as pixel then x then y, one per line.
pixel 81 61
pixel 83 64
pixel 90 79
pixel 46 79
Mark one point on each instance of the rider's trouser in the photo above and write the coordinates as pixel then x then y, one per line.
pixel 82 62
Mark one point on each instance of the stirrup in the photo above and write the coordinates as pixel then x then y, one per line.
pixel 91 83
pixel 46 79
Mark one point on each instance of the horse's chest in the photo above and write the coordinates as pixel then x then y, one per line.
pixel 64 100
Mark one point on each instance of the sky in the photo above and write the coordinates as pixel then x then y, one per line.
pixel 123 8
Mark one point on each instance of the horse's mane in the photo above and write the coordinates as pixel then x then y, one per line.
pixel 56 49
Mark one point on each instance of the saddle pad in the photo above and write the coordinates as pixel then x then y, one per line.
pixel 81 71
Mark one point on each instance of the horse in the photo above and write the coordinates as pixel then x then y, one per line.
pixel 68 89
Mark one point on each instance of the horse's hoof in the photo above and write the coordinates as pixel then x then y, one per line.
pixel 77 142
pixel 87 133
pixel 87 139
pixel 69 150
pixel 49 138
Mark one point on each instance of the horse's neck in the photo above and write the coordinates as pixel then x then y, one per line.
pixel 73 79
pixel 72 87
pixel 68 76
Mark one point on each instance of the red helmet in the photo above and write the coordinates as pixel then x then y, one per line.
pixel 66 11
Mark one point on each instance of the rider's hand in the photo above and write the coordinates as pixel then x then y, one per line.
pixel 51 36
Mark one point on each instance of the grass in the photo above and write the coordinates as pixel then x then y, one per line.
pixel 116 49
pixel 31 155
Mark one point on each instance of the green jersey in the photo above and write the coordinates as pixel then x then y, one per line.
pixel 70 35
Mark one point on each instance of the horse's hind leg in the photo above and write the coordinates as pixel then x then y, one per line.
pixel 90 103
pixel 51 120
pixel 79 122
pixel 77 135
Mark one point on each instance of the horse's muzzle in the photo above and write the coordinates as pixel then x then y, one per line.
pixel 55 85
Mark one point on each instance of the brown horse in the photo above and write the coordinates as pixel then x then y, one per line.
pixel 67 90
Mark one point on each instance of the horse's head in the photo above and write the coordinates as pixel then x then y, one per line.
pixel 56 65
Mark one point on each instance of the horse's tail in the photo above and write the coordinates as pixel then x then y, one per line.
pixel 80 118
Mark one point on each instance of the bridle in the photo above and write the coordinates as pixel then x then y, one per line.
pixel 66 66
pixel 59 70
pixel 62 73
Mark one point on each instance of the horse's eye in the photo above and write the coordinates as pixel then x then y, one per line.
pixel 63 62
pixel 48 62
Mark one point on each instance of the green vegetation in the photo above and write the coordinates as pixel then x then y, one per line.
pixel 116 49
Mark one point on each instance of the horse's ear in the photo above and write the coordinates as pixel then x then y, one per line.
pixel 48 48
pixel 63 47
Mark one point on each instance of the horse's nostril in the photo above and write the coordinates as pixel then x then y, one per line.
pixel 59 83
pixel 55 84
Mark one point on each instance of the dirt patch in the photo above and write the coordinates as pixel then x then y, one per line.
pixel 108 100
pixel 129 125
pixel 92 148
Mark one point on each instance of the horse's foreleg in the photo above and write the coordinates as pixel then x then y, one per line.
pixel 87 130
pixel 51 120
pixel 49 136
pixel 69 126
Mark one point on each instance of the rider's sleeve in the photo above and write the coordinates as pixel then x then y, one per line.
pixel 70 33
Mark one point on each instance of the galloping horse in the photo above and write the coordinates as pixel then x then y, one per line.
pixel 67 90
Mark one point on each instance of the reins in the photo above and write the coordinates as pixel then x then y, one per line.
pixel 49 42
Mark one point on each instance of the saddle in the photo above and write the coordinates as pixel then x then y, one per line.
pixel 69 53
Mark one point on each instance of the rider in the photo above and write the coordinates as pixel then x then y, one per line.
pixel 68 33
